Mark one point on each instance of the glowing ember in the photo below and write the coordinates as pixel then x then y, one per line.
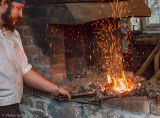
pixel 121 85
pixel 109 79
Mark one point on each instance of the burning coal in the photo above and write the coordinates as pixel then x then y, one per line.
pixel 121 84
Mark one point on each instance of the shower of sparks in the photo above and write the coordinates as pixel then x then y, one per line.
pixel 111 45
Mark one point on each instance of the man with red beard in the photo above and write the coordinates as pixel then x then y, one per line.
pixel 14 66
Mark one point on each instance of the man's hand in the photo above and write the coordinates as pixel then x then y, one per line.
pixel 63 91
pixel 35 80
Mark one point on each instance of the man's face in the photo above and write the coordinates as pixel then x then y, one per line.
pixel 12 15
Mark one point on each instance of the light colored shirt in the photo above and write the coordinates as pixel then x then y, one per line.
pixel 13 65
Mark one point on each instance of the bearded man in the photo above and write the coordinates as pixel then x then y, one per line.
pixel 14 66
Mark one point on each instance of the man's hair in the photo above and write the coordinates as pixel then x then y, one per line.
pixel 18 1
pixel 6 16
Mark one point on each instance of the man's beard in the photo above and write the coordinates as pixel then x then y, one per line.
pixel 8 21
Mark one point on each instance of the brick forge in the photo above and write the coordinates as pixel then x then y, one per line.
pixel 51 67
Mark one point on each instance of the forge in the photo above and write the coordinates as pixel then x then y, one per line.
pixel 90 51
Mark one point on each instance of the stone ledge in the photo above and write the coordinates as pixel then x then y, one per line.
pixel 133 104
pixel 155 108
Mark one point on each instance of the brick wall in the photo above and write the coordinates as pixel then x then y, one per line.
pixel 34 38
pixel 39 62
pixel 55 37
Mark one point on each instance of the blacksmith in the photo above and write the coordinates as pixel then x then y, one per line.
pixel 14 66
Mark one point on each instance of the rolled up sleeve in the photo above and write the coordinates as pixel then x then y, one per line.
pixel 26 67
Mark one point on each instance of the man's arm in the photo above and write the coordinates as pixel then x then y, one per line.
pixel 35 80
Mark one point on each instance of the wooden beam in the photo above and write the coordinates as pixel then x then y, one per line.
pixel 156 62
pixel 143 43
pixel 149 59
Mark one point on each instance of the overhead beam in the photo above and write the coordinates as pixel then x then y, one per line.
pixel 87 12
pixel 79 13
pixel 76 1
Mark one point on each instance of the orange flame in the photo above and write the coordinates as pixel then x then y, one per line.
pixel 122 85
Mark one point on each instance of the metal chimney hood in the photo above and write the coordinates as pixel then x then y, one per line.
pixel 86 12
